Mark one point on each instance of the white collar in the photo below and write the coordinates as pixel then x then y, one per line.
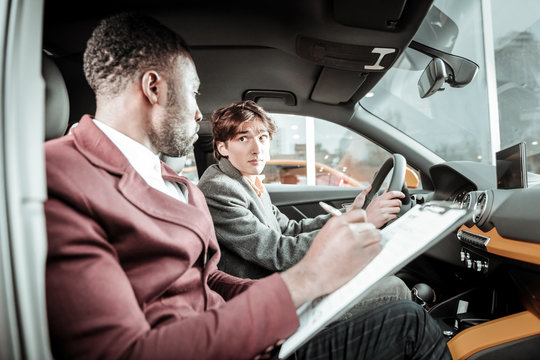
pixel 144 161
pixel 139 156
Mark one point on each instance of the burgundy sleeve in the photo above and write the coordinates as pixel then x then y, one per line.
pixel 94 313
pixel 228 286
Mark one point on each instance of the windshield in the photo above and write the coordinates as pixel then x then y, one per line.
pixel 499 108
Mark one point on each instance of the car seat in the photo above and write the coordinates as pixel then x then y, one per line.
pixel 56 99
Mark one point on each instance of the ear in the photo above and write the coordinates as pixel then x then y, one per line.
pixel 150 84
pixel 222 148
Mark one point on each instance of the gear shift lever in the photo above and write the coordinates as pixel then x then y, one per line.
pixel 424 295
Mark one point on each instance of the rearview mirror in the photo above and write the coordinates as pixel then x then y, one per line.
pixel 432 79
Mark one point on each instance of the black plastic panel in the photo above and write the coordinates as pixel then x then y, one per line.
pixel 380 15
pixel 517 218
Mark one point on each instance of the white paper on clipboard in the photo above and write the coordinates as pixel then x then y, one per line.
pixel 403 240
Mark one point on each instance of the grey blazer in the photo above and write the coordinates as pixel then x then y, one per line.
pixel 255 238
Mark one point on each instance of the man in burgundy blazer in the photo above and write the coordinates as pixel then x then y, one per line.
pixel 131 267
pixel 124 257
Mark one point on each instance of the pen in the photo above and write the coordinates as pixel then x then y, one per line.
pixel 335 212
pixel 330 209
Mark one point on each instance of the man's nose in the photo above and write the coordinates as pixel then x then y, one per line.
pixel 257 147
pixel 198 115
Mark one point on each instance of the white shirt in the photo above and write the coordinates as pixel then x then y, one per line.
pixel 144 161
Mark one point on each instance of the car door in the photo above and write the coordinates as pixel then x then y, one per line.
pixel 23 323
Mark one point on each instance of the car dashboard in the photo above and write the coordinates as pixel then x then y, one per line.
pixel 503 231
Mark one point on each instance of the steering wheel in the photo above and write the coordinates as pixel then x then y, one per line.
pixel 397 182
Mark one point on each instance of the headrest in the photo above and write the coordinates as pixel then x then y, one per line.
pixel 56 99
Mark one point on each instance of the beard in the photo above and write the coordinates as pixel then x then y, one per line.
pixel 173 137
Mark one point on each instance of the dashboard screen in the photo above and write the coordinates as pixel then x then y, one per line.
pixel 511 167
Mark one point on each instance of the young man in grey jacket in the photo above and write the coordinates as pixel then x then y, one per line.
pixel 255 237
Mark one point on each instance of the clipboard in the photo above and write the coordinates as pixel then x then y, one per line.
pixel 403 240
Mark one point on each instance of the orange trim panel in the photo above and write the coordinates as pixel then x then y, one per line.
pixel 513 249
pixel 493 333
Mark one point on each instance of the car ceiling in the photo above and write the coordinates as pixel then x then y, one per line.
pixel 311 54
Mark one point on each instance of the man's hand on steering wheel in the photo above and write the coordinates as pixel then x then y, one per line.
pixel 381 209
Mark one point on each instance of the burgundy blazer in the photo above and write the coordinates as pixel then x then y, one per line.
pixel 131 272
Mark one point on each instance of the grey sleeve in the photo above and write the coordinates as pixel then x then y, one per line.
pixel 293 227
pixel 241 232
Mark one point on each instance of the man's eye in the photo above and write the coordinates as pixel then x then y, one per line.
pixel 264 137
pixel 242 138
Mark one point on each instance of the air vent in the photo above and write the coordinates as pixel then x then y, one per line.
pixel 473 239
pixel 480 207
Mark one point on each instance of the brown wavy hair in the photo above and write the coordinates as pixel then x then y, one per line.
pixel 226 121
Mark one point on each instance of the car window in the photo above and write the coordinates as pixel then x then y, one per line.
pixel 190 168
pixel 498 109
pixel 311 151
pixel 516 48
pixel 453 123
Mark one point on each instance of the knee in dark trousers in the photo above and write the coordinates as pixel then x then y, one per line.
pixel 397 330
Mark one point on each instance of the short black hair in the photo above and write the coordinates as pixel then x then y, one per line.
pixel 124 46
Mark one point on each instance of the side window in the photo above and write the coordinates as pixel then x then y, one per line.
pixel 190 168
pixel 311 151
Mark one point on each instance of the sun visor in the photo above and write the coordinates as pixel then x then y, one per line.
pixel 345 56
pixel 346 66
pixel 336 86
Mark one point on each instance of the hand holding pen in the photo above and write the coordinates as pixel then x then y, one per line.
pixel 347 237
pixel 335 212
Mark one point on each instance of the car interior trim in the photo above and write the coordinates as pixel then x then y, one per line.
pixel 353 13
pixel 288 97
pixel 513 249
pixel 493 333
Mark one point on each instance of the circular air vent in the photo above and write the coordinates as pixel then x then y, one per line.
pixel 480 207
